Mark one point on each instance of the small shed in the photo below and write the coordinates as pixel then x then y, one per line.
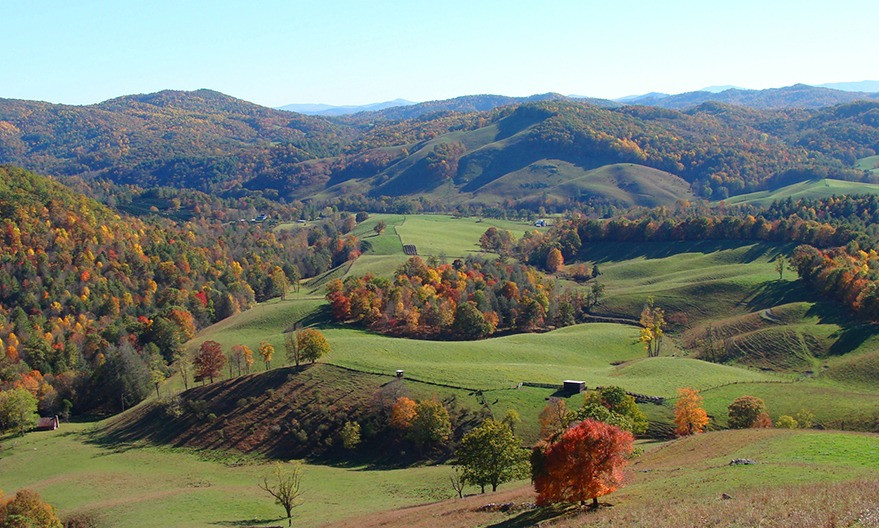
pixel 48 423
pixel 399 373
pixel 573 386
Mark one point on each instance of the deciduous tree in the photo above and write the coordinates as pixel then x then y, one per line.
pixel 18 410
pixel 28 510
pixel 350 435
pixel 266 350
pixel 553 418
pixel 586 463
pixel 690 417
pixel 554 260
pixel 402 413
pixel 312 344
pixel 431 424
pixel 652 328
pixel 285 485
pixel 291 347
pixel 209 361
pixel 491 455
pixel 747 411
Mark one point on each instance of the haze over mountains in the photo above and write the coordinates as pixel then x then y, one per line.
pixel 799 96
pixel 545 150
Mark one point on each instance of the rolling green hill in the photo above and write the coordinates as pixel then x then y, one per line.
pixel 823 188
pixel 775 333
pixel 541 152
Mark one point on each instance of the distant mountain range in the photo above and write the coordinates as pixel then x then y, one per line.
pixel 796 96
pixel 543 150
pixel 333 110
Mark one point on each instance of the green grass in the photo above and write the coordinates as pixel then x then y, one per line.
pixel 151 486
pixel 870 163
pixel 681 275
pixel 823 188
pixel 454 237
pixel 626 184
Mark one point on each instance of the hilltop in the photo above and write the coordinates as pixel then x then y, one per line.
pixel 546 150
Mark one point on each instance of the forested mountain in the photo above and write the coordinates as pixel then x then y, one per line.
pixel 490 150
pixel 82 287
pixel 192 139
pixel 796 96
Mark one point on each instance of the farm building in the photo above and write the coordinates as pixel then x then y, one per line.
pixel 573 386
pixel 48 423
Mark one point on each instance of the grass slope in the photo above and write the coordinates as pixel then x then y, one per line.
pixel 148 486
pixel 624 184
pixel 680 483
pixel 823 188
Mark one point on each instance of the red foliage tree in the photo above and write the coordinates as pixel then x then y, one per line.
pixel 585 463
pixel 209 361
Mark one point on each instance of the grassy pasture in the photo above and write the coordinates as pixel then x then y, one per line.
pixel 822 188
pixel 151 486
pixel 870 163
pixel 454 237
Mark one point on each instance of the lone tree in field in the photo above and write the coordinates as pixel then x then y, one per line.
pixel 380 227
pixel 585 463
pixel 209 361
pixel 652 328
pixel 490 454
pixel 312 345
pixel 266 350
pixel 690 417
pixel 748 411
pixel 284 484
pixel 780 263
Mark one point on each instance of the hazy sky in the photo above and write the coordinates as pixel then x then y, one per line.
pixel 359 51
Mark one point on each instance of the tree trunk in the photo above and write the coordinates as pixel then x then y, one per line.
pixel 493 487
pixel 594 503
pixel 157 391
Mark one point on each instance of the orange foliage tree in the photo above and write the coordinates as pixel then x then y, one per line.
pixel 585 463
pixel 28 509
pixel 554 260
pixel 402 413
pixel 690 417
pixel 209 361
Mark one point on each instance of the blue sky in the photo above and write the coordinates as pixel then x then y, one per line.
pixel 355 52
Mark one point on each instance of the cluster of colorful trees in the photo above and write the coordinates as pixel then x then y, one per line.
pixel 26 509
pixel 847 274
pixel 569 236
pixel 467 299
pixel 90 300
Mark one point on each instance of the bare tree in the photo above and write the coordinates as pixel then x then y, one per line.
pixel 284 485
pixel 458 482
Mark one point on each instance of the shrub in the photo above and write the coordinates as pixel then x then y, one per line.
pixel 805 419
pixel 747 411
pixel 786 422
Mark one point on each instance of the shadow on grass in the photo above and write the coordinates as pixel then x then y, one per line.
pixel 776 293
pixel 603 252
pixel 261 523
pixel 535 517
